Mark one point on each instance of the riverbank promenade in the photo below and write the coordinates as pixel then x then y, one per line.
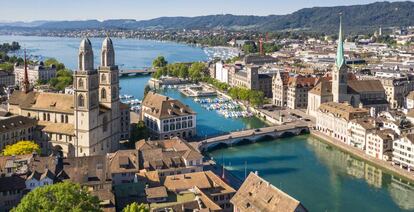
pixel 361 154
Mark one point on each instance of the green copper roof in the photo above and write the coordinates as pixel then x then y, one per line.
pixel 340 59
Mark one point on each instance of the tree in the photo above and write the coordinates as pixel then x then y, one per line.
pixel 138 132
pixel 159 62
pixel 196 71
pixel 134 207
pixel 21 148
pixel 56 63
pixel 64 196
pixel 62 80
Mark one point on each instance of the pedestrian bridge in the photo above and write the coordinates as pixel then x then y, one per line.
pixel 123 73
pixel 254 135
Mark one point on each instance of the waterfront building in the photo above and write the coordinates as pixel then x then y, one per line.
pixel 35 73
pixel 85 123
pixel 332 119
pixel 403 152
pixel 297 90
pixel 14 129
pixel 249 77
pixel 358 130
pixel 366 93
pixel 257 194
pixel 7 78
pixel 379 144
pixel 167 118
pixel 169 157
pixel 279 88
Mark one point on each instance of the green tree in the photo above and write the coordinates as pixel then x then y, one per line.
pixel 196 71
pixel 134 207
pixel 62 80
pixel 138 132
pixel 183 71
pixel 159 62
pixel 64 196
pixel 21 148
pixel 249 47
pixel 53 61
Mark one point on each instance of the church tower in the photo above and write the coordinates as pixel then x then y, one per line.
pixel 85 85
pixel 109 88
pixel 340 71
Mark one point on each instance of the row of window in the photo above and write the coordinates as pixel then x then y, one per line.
pixel 178 126
pixel 177 119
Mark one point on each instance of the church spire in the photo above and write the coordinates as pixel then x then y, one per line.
pixel 340 58
pixel 26 84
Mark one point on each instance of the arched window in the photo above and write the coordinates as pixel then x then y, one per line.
pixel 81 101
pixel 80 83
pixel 103 93
pixel 103 78
pixel 80 65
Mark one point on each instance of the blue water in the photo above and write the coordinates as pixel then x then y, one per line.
pixel 129 53
pixel 208 122
pixel 323 178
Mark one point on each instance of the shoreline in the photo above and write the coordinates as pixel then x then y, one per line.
pixel 364 157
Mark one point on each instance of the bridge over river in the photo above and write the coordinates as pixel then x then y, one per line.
pixel 253 135
pixel 146 71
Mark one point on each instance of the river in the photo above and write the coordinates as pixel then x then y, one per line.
pixel 322 177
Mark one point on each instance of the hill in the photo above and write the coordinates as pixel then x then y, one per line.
pixel 356 18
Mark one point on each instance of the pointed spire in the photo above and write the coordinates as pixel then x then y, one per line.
pixel 340 58
pixel 26 84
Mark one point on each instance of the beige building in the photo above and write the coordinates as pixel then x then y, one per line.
pixel 332 119
pixel 297 91
pixel 379 144
pixel 16 128
pixel 256 194
pixel 279 88
pixel 35 73
pixel 167 118
pixel 358 130
pixel 396 89
pixel 85 123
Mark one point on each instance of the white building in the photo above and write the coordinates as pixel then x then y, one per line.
pixel 222 72
pixel 167 118
pixel 403 152
pixel 35 73
pixel 332 119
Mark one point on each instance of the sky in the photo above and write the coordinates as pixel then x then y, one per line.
pixel 30 10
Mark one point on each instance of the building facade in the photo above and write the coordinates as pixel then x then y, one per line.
pixel 167 118
pixel 85 123
pixel 403 152
pixel 16 128
pixel 35 73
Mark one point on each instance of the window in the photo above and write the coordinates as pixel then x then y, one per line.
pixel 190 123
pixel 172 127
pixel 105 124
pixel 103 93
pixel 81 101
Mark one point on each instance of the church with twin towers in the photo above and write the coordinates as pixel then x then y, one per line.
pixel 91 121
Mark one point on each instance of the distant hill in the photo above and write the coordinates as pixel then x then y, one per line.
pixel 356 18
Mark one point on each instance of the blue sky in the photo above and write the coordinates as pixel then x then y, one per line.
pixel 29 10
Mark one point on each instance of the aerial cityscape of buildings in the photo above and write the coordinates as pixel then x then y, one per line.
pixel 354 95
